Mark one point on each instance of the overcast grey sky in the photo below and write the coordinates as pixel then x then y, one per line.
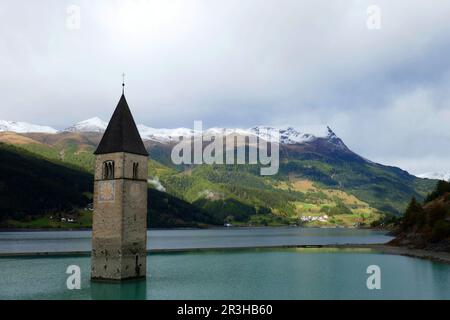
pixel 239 63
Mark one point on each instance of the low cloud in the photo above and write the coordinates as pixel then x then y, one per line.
pixel 156 184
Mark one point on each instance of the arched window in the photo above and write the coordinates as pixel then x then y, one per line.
pixel 135 170
pixel 108 170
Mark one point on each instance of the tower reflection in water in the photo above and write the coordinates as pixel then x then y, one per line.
pixel 127 290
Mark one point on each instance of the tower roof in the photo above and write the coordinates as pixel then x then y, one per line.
pixel 121 135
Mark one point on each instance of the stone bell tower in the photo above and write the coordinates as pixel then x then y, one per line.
pixel 119 230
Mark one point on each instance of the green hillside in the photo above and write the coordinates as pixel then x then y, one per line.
pixel 31 185
pixel 386 188
pixel 36 192
pixel 318 184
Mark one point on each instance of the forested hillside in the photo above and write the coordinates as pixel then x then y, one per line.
pixel 427 225
pixel 320 182
pixel 34 188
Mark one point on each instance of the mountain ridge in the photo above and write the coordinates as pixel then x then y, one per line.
pixel 325 162
pixel 287 135
pixel 435 175
pixel 94 124
pixel 24 127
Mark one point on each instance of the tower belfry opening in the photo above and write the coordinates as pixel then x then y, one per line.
pixel 119 230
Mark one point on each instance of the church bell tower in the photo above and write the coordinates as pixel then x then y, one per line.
pixel 119 230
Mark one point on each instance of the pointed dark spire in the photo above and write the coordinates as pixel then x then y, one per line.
pixel 121 135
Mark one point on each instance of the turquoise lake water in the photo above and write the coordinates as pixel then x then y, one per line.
pixel 244 273
pixel 236 274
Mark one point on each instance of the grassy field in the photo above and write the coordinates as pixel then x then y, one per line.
pixel 336 207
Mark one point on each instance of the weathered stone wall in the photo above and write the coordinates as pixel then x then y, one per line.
pixel 119 237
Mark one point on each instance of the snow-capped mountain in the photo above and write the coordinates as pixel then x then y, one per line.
pixel 289 135
pixel 163 135
pixel 435 175
pixel 90 125
pixel 24 127
pixel 286 136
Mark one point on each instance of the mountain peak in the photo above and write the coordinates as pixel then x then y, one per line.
pixel 94 124
pixel 24 127
pixel 435 175
pixel 163 135
pixel 330 132
pixel 292 135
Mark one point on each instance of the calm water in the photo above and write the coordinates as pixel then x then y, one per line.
pixel 75 241
pixel 236 274
pixel 224 274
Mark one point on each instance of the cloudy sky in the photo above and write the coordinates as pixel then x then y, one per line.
pixel 239 63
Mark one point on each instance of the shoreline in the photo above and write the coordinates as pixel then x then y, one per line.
pixel 437 256
pixel 188 228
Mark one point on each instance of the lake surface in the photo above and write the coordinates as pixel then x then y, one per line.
pixel 236 274
pixel 245 273
pixel 76 241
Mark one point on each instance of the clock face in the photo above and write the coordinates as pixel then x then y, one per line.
pixel 106 191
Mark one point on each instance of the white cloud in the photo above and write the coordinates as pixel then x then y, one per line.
pixel 238 63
